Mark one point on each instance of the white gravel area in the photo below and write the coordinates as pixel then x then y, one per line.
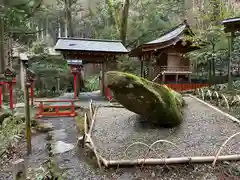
pixel 201 134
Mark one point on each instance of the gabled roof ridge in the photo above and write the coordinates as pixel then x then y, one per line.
pixel 184 23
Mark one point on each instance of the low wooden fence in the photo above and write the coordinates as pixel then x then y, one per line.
pixel 56 110
pixel 186 87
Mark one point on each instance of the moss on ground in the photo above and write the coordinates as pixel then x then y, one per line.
pixel 80 124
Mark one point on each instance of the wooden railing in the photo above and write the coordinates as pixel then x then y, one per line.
pixel 64 108
pixel 175 68
pixel 186 86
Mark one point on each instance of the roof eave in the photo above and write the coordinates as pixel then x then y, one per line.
pixel 86 51
pixel 89 39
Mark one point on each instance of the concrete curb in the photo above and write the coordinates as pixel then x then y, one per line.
pixel 216 109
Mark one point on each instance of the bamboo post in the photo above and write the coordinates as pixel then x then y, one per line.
pixel 92 121
pixel 223 145
pixel 27 118
pixel 32 93
pixel 175 160
pixel 19 170
pixel 85 124
pixel 94 149
pixel 90 109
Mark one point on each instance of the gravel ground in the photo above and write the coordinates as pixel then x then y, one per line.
pixel 202 133
pixel 80 168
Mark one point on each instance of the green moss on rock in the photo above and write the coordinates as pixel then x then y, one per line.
pixel 158 103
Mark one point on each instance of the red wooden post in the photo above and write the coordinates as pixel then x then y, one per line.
pixel 41 107
pixel 75 85
pixel 11 95
pixel 108 94
pixel 57 110
pixel 40 110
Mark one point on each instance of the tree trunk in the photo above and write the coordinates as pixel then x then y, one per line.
pixel 113 15
pixel 68 19
pixel 123 33
pixel 215 17
pixel 213 63
pixel 2 53
pixel 110 20
pixel 2 50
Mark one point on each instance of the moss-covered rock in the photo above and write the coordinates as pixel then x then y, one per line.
pixel 158 103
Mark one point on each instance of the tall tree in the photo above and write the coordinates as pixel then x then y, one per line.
pixel 68 18
pixel 123 32
pixel 2 51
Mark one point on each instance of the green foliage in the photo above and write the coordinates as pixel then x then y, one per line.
pixel 92 83
pixel 17 18
pixel 10 133
pixel 130 65
pixel 47 94
pixel 80 124
pixel 38 47
pixel 147 18
pixel 214 56
pixel 48 69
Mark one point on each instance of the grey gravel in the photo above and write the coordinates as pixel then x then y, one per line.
pixel 201 134
pixel 79 168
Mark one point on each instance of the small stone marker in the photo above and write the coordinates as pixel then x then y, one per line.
pixel 19 170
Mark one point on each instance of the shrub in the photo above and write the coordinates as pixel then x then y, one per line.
pixel 92 83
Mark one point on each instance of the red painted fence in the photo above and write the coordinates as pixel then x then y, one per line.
pixel 176 87
pixel 186 87
pixel 56 110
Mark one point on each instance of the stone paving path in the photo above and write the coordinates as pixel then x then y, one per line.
pixel 65 132
pixel 65 135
